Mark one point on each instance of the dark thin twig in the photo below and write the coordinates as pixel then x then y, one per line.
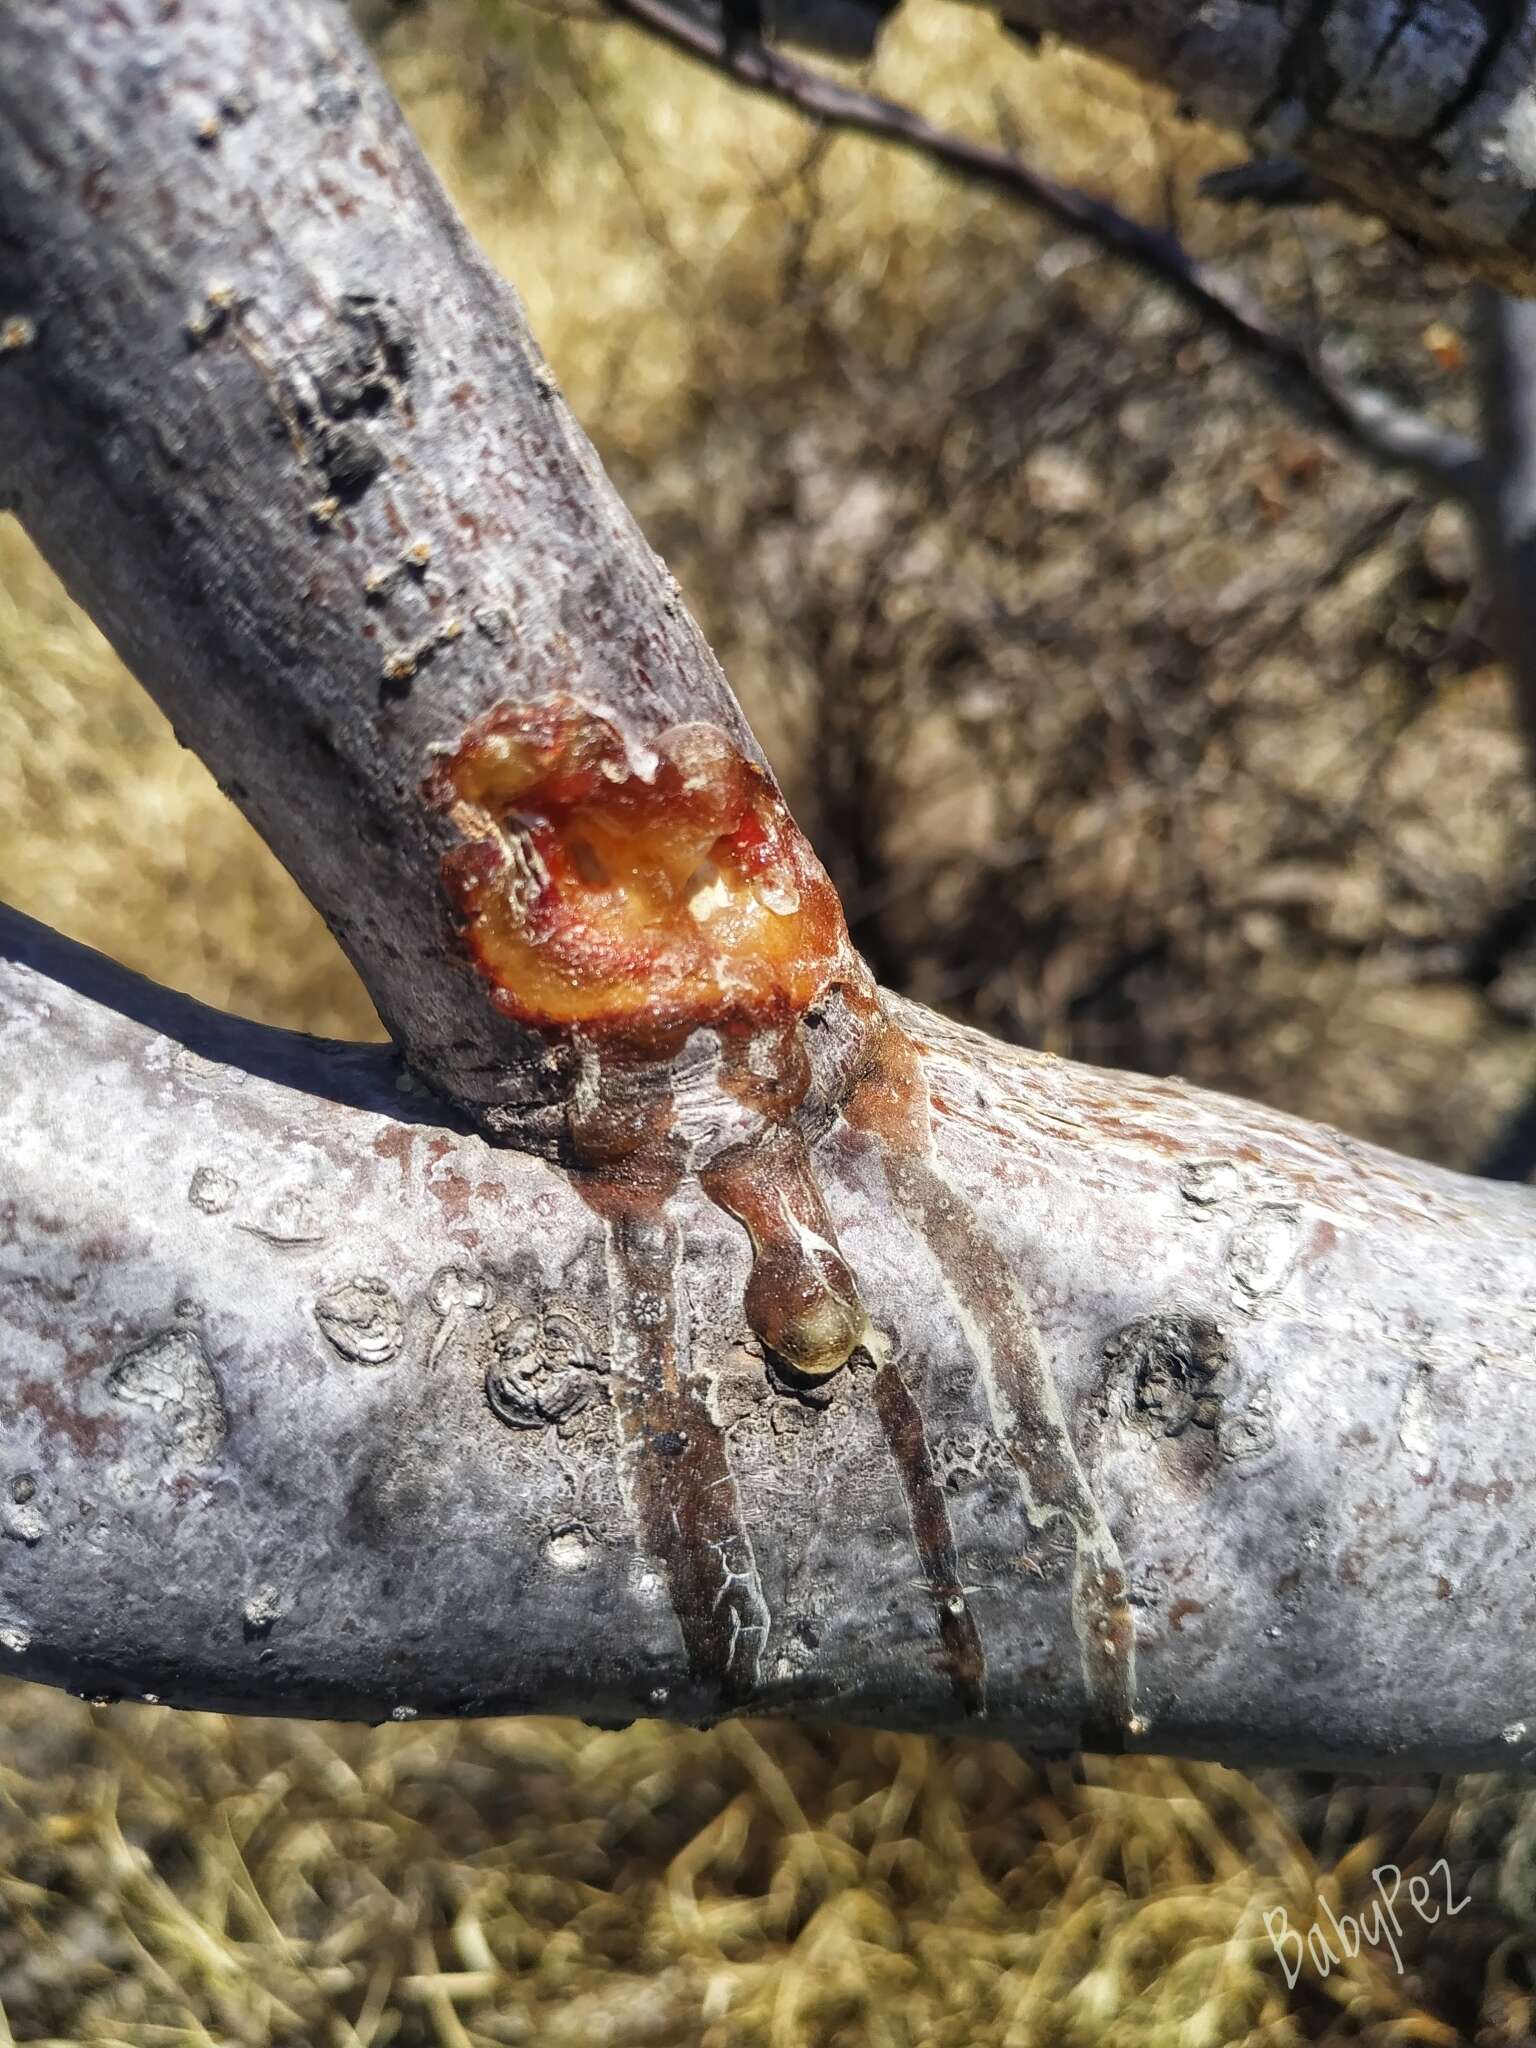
pixel 1376 425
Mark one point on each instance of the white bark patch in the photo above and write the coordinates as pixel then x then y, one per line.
pixel 211 1191
pixel 569 1550
pixel 362 1320
pixel 1415 1421
pixel 1210 1183
pixel 23 1523
pixel 261 1611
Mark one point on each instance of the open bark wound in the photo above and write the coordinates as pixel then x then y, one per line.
pixel 617 900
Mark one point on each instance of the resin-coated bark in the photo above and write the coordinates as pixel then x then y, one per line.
pixel 313 1403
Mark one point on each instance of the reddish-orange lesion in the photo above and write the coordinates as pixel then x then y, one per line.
pixel 632 899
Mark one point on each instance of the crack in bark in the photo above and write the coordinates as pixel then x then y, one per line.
pixel 1303 76
pixel 1503 18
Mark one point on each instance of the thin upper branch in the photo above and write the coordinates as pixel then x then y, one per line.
pixel 1374 424
pixel 1504 505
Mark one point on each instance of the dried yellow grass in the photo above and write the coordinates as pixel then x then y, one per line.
pixel 195 1879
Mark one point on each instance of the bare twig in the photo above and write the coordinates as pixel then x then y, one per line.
pixel 1372 423
pixel 1504 504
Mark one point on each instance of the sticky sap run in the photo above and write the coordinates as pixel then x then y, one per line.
pixel 602 899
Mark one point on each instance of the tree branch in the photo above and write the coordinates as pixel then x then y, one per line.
pixel 848 1363
pixel 1419 112
pixel 253 1298
pixel 1504 503
pixel 287 438
pixel 1370 422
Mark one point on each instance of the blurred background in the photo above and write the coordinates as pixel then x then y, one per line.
pixel 1136 719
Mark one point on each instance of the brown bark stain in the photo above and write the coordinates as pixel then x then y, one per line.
pixel 397 1142
pixel 88 1435
pixel 37 1222
pixel 890 1103
pixel 96 190
pixel 902 1423
pixel 1497 1490
pixel 342 203
pixel 453 1194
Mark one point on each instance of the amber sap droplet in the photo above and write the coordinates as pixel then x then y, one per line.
pixel 802 1302
pixel 631 901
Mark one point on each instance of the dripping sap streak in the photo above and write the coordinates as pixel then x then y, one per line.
pixel 616 906
pixel 890 1103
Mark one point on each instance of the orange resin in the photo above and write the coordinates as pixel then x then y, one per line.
pixel 634 901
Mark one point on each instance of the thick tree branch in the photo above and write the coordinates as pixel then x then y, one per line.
pixel 288 439
pixel 250 1314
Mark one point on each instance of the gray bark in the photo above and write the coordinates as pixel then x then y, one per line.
pixel 252 1295
pixel 287 438
pixel 1423 110
pixel 1175 1423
